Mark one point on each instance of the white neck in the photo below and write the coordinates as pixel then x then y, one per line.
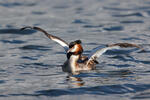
pixel 73 62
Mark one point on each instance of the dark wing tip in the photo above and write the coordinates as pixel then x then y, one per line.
pixel 126 45
pixel 26 28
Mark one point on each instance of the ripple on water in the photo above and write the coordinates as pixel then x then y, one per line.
pixel 132 22
pixel 114 28
pixel 131 59
pixel 37 65
pixel 14 4
pixel 143 95
pixel 79 21
pixel 35 47
pixel 13 41
pixel 16 31
pixel 19 80
pixel 38 13
pixel 92 26
pixel 2 81
pixel 148 12
pixel 97 90
pixel 29 58
pixel 131 38
pixel 117 9
pixel 137 14
pixel 121 65
pixel 121 51
pixel 79 10
pixel 62 6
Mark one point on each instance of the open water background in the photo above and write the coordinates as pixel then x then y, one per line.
pixel 30 63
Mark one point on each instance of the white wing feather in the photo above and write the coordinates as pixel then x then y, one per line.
pixel 97 52
pixel 52 37
pixel 62 43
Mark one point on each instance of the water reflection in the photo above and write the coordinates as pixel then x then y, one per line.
pixel 100 77
pixel 77 81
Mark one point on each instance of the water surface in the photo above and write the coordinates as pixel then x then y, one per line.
pixel 31 63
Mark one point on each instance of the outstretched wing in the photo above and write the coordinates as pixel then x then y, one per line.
pixel 98 51
pixel 52 37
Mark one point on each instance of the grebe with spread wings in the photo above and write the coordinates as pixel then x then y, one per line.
pixel 76 61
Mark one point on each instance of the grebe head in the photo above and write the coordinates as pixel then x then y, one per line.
pixel 75 48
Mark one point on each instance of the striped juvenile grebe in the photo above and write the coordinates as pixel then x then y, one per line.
pixel 77 62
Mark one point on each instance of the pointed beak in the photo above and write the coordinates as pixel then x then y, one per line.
pixel 68 50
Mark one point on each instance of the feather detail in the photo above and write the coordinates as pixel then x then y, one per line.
pixel 52 37
pixel 98 51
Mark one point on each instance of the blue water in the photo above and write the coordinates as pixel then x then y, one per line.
pixel 31 63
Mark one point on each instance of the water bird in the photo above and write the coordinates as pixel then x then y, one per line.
pixel 76 61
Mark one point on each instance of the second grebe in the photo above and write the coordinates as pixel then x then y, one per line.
pixel 77 62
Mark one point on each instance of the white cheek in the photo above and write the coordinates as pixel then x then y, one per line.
pixel 74 49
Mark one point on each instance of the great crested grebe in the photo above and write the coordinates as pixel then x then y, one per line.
pixel 77 62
